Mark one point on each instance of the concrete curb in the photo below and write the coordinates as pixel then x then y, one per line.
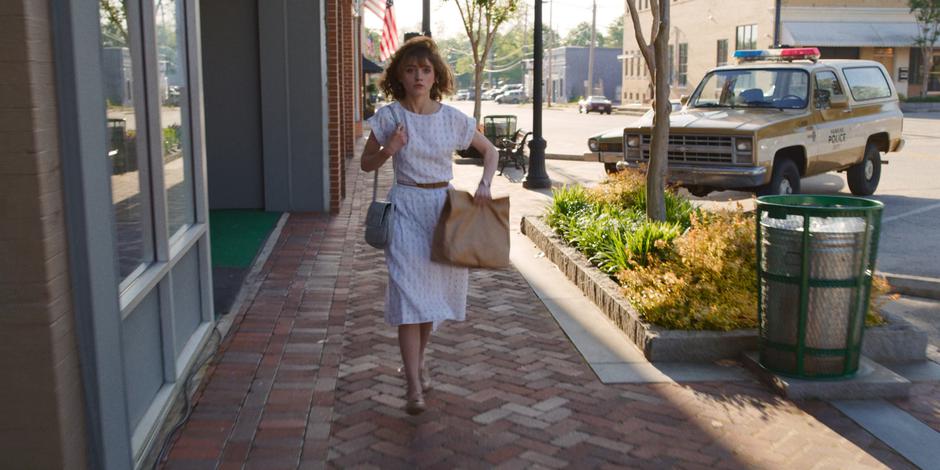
pixel 916 286
pixel 567 157
pixel 898 341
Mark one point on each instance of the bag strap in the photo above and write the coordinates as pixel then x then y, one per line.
pixel 375 178
pixel 375 184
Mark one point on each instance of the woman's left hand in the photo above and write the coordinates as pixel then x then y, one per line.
pixel 482 195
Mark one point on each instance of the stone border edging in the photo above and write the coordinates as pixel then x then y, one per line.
pixel 898 341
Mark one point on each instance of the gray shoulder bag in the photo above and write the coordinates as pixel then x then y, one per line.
pixel 379 218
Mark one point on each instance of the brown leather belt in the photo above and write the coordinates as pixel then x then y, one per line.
pixel 442 184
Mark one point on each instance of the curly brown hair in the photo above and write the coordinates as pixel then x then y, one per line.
pixel 417 49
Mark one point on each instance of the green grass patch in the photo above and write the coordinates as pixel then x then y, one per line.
pixel 236 235
pixel 696 271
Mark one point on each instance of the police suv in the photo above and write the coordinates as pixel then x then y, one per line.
pixel 777 116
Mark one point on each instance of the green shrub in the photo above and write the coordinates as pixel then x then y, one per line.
pixel 708 282
pixel 922 99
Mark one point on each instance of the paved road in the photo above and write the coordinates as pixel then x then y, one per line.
pixel 910 184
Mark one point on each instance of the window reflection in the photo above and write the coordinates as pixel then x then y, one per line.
pixel 126 148
pixel 174 113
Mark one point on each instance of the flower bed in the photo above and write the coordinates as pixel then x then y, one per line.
pixel 696 271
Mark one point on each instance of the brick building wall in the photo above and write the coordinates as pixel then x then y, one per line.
pixel 41 400
pixel 332 92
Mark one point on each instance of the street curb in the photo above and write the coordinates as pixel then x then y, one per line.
pixel 916 286
pixel 565 156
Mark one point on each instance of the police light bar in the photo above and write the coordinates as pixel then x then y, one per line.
pixel 795 53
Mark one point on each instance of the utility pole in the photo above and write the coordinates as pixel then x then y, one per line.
pixel 537 177
pixel 590 83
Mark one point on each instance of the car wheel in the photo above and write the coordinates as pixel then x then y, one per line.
pixel 784 180
pixel 608 111
pixel 864 176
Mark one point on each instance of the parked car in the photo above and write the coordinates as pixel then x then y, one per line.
pixel 512 96
pixel 594 103
pixel 777 116
pixel 462 94
pixel 490 94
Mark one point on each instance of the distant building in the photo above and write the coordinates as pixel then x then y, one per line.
pixel 705 34
pixel 567 68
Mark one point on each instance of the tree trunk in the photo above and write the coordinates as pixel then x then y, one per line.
pixel 477 85
pixel 659 144
pixel 926 54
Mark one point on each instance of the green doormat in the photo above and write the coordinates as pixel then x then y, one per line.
pixel 237 235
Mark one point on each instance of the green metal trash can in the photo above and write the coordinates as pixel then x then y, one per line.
pixel 815 260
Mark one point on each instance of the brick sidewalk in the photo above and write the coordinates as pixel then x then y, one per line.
pixel 307 379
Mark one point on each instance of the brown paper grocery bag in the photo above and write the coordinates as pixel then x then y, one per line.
pixel 471 235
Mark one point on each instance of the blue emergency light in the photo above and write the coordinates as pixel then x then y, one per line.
pixel 795 53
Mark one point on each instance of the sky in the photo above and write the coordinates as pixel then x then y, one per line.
pixel 445 19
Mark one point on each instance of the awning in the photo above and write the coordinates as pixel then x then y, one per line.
pixel 370 67
pixel 848 34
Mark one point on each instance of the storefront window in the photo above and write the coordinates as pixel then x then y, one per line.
pixel 127 143
pixel 169 18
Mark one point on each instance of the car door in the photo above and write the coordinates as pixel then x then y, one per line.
pixel 833 127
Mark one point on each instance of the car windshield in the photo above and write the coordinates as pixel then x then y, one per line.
pixel 753 88
pixel 596 98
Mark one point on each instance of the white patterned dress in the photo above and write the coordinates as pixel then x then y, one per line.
pixel 420 290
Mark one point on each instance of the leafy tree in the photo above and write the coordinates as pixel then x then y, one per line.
pixel 614 36
pixel 481 19
pixel 655 53
pixel 456 51
pixel 927 14
pixel 580 35
pixel 550 37
pixel 113 23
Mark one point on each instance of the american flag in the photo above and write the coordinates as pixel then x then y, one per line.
pixel 375 6
pixel 389 32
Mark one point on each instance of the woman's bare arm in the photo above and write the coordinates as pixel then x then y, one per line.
pixel 490 160
pixel 374 155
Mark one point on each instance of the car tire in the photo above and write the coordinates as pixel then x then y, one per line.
pixel 864 176
pixel 785 179
pixel 608 112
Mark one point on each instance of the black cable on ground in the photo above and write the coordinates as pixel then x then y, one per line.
pixel 187 403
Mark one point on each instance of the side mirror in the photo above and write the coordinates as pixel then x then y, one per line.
pixel 839 102
pixel 684 99
pixel 822 99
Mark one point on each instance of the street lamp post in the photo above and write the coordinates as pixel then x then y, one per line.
pixel 426 18
pixel 537 177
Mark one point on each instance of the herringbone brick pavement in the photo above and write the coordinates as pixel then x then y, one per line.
pixel 308 379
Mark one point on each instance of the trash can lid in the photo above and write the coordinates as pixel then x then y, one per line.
pixel 817 205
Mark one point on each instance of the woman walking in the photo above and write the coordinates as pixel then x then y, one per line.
pixel 420 134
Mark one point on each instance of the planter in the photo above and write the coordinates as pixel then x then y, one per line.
pixel 896 342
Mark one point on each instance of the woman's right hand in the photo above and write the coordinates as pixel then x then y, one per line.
pixel 397 140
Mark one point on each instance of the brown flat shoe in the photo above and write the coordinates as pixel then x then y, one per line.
pixel 425 380
pixel 426 385
pixel 415 405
